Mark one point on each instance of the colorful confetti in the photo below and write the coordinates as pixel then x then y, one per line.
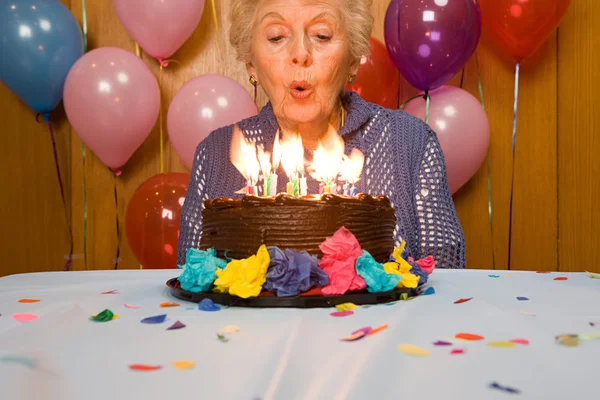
pixel 460 301
pixel 520 341
pixel 589 336
pixel 15 359
pixel 184 365
pixel 25 317
pixel 542 272
pixel 502 344
pixel 458 351
pixel 111 292
pixel 29 301
pixel 104 316
pixel 144 367
pixel 561 278
pixel 495 385
pixel 378 329
pixel 404 297
pixel 413 350
pixel 429 291
pixel 356 336
pixel 169 304
pixel 366 330
pixel 132 306
pixel 176 325
pixel 208 305
pixel 469 336
pixel 341 313
pixel 442 343
pixel 522 298
pixel 529 314
pixel 229 329
pixel 222 338
pixel 592 275
pixel 594 323
pixel 346 306
pixel 568 340
pixel 494 276
pixel 157 319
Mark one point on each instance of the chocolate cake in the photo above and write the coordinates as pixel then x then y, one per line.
pixel 236 228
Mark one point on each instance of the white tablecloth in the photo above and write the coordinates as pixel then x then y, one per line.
pixel 298 354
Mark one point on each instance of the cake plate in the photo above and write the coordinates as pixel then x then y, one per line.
pixel 310 299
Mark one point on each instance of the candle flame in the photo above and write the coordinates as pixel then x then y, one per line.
pixel 276 153
pixel 352 166
pixel 243 156
pixel 292 155
pixel 264 159
pixel 327 159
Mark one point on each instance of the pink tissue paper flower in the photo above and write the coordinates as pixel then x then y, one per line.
pixel 339 262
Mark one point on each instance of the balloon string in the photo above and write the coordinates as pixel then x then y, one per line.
pixel 462 78
pixel 489 166
pixel 83 161
pixel 116 174
pixel 427 105
pixel 138 51
pixel 62 191
pixel 409 100
pixel 215 18
pixel 512 182
pixel 160 122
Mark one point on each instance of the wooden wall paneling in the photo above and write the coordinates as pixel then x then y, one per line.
pixel 33 234
pixel 579 138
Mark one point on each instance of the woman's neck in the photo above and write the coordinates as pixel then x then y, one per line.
pixel 314 132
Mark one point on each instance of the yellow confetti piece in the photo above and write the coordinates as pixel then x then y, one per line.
pixel 346 306
pixel 502 344
pixel 413 350
pixel 593 275
pixel 184 365
pixel 229 329
pixel 568 341
pixel 507 274
pixel 589 336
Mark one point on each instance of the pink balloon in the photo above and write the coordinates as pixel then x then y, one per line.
pixel 160 27
pixel 462 127
pixel 202 105
pixel 112 100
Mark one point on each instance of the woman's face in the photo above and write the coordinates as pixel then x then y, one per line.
pixel 301 57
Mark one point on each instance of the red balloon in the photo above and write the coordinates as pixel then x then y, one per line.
pixel 152 219
pixel 522 26
pixel 377 80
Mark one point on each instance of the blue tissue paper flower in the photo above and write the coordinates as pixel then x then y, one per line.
pixel 199 271
pixel 292 272
pixel 374 275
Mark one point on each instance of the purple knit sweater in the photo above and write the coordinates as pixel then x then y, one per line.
pixel 403 160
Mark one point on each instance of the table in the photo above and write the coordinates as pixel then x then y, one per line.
pixel 298 354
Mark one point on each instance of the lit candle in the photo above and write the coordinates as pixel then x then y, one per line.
pixel 273 185
pixel 266 184
pixel 290 188
pixel 303 187
pixel 353 191
pixel 296 185
pixel 346 189
pixel 327 189
pixel 321 188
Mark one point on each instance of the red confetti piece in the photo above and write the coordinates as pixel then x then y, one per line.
pixel 469 336
pixel 169 304
pixel 458 351
pixel 144 367
pixel 358 335
pixel 378 329
pixel 520 341
pixel 561 278
pixel 110 292
pixel 29 301
pixel 341 313
pixel 132 306
pixel 459 301
pixel 25 317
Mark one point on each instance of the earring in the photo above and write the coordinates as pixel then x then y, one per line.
pixel 351 78
pixel 253 80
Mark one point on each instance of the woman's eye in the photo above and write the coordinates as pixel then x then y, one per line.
pixel 323 38
pixel 275 39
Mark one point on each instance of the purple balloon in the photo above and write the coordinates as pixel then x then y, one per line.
pixel 431 40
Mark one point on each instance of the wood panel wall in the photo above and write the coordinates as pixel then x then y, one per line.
pixel 556 223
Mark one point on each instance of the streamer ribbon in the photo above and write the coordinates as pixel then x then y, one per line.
pixel 116 174
pixel 425 97
pixel 514 145
pixel 62 190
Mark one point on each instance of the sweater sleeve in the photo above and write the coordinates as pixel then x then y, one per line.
pixel 191 214
pixel 439 232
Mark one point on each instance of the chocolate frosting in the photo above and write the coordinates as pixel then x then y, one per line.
pixel 236 228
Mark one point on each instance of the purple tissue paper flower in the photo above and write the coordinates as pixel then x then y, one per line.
pixel 292 272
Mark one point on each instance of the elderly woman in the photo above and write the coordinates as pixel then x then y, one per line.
pixel 303 53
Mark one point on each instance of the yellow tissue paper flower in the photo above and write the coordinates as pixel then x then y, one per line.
pixel 409 281
pixel 244 278
pixel 398 251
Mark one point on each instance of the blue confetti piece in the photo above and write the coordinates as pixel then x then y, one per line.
pixel 522 298
pixel 22 360
pixel 496 385
pixel 208 305
pixel 494 276
pixel 429 291
pixel 158 319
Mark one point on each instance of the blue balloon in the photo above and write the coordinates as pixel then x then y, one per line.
pixel 40 40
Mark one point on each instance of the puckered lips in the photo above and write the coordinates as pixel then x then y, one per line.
pixel 301 90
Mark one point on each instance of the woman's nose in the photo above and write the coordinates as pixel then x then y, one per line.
pixel 301 54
